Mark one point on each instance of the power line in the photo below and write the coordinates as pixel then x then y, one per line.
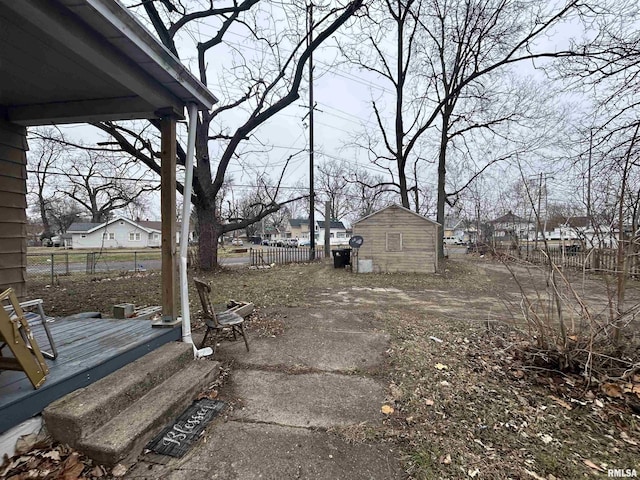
pixel 103 177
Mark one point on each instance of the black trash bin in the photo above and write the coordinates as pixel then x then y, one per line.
pixel 346 253
pixel 341 257
pixel 338 259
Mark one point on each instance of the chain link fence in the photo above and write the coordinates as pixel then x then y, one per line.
pixel 49 266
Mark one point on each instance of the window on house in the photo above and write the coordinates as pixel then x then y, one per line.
pixel 394 242
pixel 331 235
pixel 134 236
pixel 112 236
pixel 341 235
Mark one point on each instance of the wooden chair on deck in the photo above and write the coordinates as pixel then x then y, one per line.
pixel 217 322
pixel 16 334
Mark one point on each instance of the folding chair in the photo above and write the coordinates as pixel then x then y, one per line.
pixel 16 334
pixel 217 322
pixel 33 313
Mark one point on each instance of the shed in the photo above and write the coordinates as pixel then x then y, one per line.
pixel 397 240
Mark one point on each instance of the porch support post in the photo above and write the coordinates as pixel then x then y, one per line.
pixel 168 212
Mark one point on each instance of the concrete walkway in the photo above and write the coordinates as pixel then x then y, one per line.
pixel 287 395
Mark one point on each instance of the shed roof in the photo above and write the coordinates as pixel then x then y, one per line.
pixel 66 61
pixel 401 208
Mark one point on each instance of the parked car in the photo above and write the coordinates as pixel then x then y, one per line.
pixel 304 242
pixel 266 241
pixel 237 242
pixel 291 243
pixel 478 247
pixel 453 241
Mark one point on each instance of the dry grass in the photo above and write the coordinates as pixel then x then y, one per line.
pixel 470 406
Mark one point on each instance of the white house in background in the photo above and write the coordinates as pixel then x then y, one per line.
pixel 299 228
pixel 338 234
pixel 119 232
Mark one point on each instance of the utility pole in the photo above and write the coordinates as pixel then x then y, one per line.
pixel 589 180
pixel 327 228
pixel 312 222
pixel 538 212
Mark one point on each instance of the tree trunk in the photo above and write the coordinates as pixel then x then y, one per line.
pixel 442 171
pixel 208 238
pixel 399 125
pixel 43 215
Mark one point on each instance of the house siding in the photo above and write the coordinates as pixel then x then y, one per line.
pixel 418 239
pixel 121 230
pixel 13 204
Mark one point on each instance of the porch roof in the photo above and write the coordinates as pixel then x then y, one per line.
pixel 67 61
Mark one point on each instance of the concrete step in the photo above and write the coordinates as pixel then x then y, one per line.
pixel 82 412
pixel 123 437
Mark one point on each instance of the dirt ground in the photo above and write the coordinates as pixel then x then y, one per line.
pixel 469 395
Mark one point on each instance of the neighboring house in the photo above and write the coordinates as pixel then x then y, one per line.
pixel 397 240
pixel 338 234
pixel 454 227
pixel 299 228
pixel 157 226
pixel 512 228
pixel 117 233
pixel 270 233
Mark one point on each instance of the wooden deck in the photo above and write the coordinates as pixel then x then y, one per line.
pixel 88 349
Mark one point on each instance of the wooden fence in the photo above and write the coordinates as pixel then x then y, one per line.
pixel 281 255
pixel 596 260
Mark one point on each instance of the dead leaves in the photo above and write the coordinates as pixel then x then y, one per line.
pixel 561 402
pixel 387 409
pixel 119 470
pixel 38 458
pixel 625 437
pixel 592 465
pixel 612 390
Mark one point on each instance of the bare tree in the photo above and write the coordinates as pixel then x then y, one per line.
pixel 101 184
pixel 369 193
pixel 43 156
pixel 453 50
pixel 62 213
pixel 332 183
pixel 254 88
pixel 609 71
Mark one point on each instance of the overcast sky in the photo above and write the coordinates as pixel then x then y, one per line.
pixel 343 95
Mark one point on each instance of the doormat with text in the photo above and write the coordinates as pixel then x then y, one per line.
pixel 176 439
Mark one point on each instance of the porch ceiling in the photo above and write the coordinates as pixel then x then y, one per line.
pixel 65 61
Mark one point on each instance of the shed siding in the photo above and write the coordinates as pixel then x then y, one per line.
pixel 418 242
pixel 13 205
